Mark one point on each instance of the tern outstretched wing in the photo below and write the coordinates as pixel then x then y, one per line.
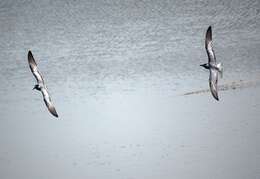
pixel 213 83
pixel 43 88
pixel 209 47
pixel 47 100
pixel 34 69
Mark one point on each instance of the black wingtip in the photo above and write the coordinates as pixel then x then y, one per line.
pixel 55 115
pixel 216 97
pixel 209 31
pixel 53 111
pixel 30 56
pixel 208 37
pixel 29 53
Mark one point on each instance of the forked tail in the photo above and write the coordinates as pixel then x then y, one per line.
pixel 220 69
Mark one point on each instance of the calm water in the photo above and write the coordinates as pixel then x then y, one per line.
pixel 116 71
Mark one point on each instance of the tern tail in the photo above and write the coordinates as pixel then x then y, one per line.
pixel 220 69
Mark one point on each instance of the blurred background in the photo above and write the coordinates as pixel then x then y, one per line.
pixel 117 71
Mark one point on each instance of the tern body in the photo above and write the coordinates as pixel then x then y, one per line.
pixel 40 86
pixel 213 67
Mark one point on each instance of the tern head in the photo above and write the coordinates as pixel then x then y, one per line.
pixel 37 87
pixel 205 65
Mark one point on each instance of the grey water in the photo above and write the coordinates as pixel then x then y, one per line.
pixel 116 71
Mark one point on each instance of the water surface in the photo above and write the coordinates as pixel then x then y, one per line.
pixel 117 72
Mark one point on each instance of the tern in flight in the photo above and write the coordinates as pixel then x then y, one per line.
pixel 40 86
pixel 213 67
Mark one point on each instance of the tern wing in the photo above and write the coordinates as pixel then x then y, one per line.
pixel 48 102
pixel 209 47
pixel 33 66
pixel 213 83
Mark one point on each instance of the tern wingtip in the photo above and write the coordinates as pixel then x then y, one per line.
pixel 30 55
pixel 216 97
pixel 209 31
pixel 55 114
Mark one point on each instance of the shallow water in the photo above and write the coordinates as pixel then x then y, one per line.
pixel 116 71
